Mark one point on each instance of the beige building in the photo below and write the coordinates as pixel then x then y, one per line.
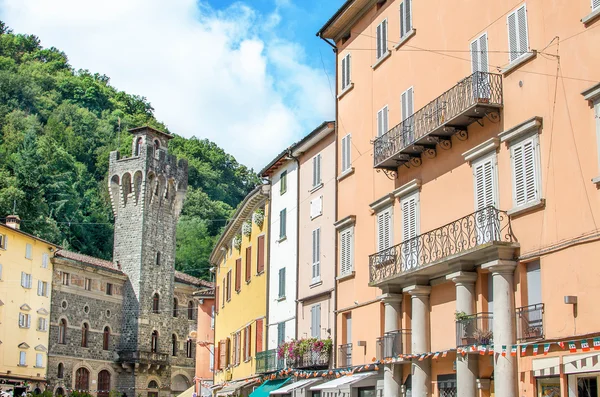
pixel 470 195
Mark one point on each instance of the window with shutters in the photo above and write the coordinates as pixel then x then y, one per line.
pixel 238 348
pixel 228 286
pixel 486 196
pixel 66 278
pixel 217 298
pixel 282 224
pixel 248 264
pixel 45 261
pixel 238 274
pixel 315 321
pixel 28 249
pixel 316 256
pixel 22 359
pixel 260 254
pixel 42 324
pixel 109 289
pixel 211 358
pixel 384 229
pixel 596 115
pixel 62 331
pixel 525 171
pixel 316 207
pixel 316 170
pixel 0 271
pixel 382 121
pixel 281 294
pixel 595 5
pixel 408 109
pixel 410 231
pixel 381 37
pixel 42 288
pixel 280 333
pixel 346 72
pixel 25 280
pixel 283 183
pixel 259 335
pixel 3 241
pixel 247 343
pixel 479 66
pixel 346 153
pixel 346 251
pixel 24 320
pixel 39 360
pixel 405 18
pixel 518 43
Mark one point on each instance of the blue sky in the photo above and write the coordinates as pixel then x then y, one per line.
pixel 249 75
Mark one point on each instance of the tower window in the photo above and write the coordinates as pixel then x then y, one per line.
pixel 62 332
pixel 158 258
pixel 138 146
pixel 156 146
pixel 174 346
pixel 175 304
pixel 189 348
pixel 190 310
pixel 84 335
pixel 60 373
pixel 154 342
pixel 105 338
pixel 155 301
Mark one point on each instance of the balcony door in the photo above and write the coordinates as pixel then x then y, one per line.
pixel 410 232
pixel 486 199
pixel 384 236
pixel 479 65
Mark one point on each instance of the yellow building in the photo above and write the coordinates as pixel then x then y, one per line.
pixel 25 287
pixel 239 262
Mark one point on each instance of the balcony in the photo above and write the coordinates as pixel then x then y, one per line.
pixel 345 355
pixel 144 357
pixel 394 343
pixel 476 329
pixel 481 236
pixel 310 360
pixel 469 100
pixel 267 361
pixel 530 322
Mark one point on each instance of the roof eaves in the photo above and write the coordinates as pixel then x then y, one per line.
pixel 339 12
pixel 323 126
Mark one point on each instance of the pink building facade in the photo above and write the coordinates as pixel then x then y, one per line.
pixel 205 335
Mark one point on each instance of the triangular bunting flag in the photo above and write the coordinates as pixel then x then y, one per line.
pixel 513 350
pixel 546 348
pixel 491 350
pixel 523 350
pixel 436 355
pixel 572 347
pixel 596 343
pixel 422 357
pixel 444 354
pixel 561 344
pixel 535 350
pixel 474 348
pixel 482 350
pixel 585 346
pixel 503 350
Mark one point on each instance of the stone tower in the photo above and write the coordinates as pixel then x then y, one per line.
pixel 147 192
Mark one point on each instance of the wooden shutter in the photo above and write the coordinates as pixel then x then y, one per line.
pixel 260 255
pixel 383 38
pixel 282 223
pixel 280 333
pixel 346 251
pixel 217 299
pixel 238 274
pixel 229 285
pixel 403 27
pixel 346 152
pixel 344 60
pixel 513 42
pixel 259 335
pixel 522 29
pixel 409 218
pixel 248 263
pixel 524 171
pixel 315 321
pixel 227 351
pixel 348 79
pixel 378 39
pixel 316 254
pixel 384 232
pixel 282 282
pixel 248 343
pixel 408 16
pixel 484 183
pixel 518 42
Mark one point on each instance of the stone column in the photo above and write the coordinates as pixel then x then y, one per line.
pixel 392 373
pixel 505 370
pixel 421 370
pixel 467 368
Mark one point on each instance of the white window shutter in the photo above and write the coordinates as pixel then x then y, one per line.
pixel 385 120
pixel 530 170
pixel 344 158
pixel 410 104
pixel 23 280
pixel 384 219
pixel 475 62
pixel 344 72
pixel 38 360
pixel 348 150
pixel 378 39
pixel 518 175
pixel 44 261
pixel 403 27
pixel 483 54
pixel 348 75
pixel 595 5
pixel 40 288
pixel 522 29
pixel 317 330
pixel 485 186
pixel 28 320
pixel 408 16
pixel 513 43
pixel 318 168
pixel 409 218
pixel 383 37
pixel 380 122
pixel 404 103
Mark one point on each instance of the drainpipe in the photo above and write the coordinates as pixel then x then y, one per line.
pixel 291 156
pixel 268 264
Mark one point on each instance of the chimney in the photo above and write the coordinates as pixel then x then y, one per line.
pixel 13 221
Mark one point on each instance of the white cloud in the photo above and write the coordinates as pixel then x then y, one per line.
pixel 222 75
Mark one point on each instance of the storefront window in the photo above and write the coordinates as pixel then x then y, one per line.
pixel 587 387
pixel 367 392
pixel 548 387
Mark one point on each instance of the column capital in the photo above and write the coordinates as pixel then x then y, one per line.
pixel 462 277
pixel 417 290
pixel 390 298
pixel 500 266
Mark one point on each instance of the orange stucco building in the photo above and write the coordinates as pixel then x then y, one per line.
pixel 205 335
pixel 468 194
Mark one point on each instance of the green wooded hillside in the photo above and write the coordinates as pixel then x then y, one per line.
pixel 57 128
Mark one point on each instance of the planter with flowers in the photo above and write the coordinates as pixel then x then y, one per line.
pixel 259 217
pixel 304 353
pixel 247 228
pixel 237 241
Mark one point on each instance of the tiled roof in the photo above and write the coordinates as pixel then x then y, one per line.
pixel 186 278
pixel 90 260
pixel 205 292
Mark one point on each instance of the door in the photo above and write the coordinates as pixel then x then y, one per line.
pixel 384 236
pixel 410 231
pixel 479 67
pixel 103 383
pixel 486 221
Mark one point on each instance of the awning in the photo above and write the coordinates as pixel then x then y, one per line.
pixel 266 388
pixel 296 385
pixel 188 393
pixel 233 387
pixel 343 381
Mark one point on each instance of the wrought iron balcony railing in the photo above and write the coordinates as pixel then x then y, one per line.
pixel 267 361
pixel 530 322
pixel 485 226
pixel 393 343
pixel 456 108
pixel 310 360
pixel 144 357
pixel 476 329
pixel 345 355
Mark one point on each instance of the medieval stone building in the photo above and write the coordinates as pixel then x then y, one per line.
pixel 129 325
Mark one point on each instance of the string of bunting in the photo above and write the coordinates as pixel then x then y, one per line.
pixel 536 349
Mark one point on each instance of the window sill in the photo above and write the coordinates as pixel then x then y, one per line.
pixel 406 37
pixel 282 239
pixel 590 17
pixel 35 366
pixel 518 62
pixel 348 88
pixel 281 193
pixel 280 299
pixel 259 273
pixel 345 174
pixel 596 180
pixel 385 56
pixel 315 188
pixel 315 284
pixel 525 208
pixel 22 365
pixel 248 282
pixel 316 216
pixel 346 276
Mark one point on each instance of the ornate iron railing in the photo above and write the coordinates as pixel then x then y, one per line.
pixel 267 361
pixel 144 357
pixel 310 359
pixel 485 226
pixel 479 88
pixel 530 322
pixel 393 343
pixel 345 355
pixel 476 329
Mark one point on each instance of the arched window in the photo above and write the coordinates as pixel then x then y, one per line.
pixel 138 146
pixel 175 304
pixel 105 338
pixel 155 300
pixel 190 310
pixel 152 385
pixel 154 342
pixel 82 379
pixel 188 348
pixel 84 334
pixel 103 383
pixel 62 331
pixel 156 145
pixel 174 345
pixel 60 372
pixel 60 391
pixel 37 391
pixel 152 389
